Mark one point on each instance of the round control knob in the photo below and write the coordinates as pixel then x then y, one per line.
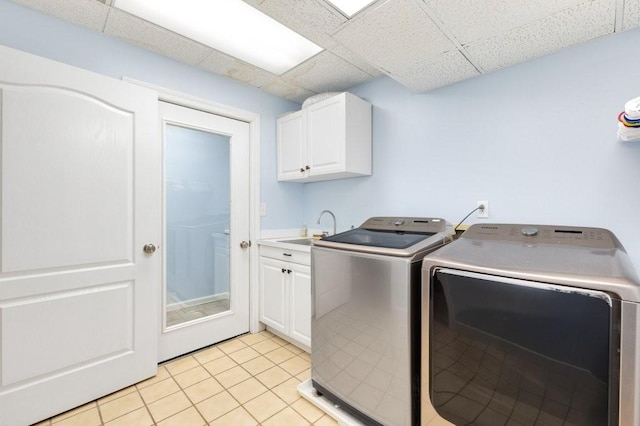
pixel 529 231
pixel 398 222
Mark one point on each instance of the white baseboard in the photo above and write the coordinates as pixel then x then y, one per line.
pixel 197 301
pixel 343 418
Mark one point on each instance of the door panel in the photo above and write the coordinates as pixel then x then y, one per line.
pixel 206 280
pixel 66 175
pixel 80 183
pixel 301 303
pixel 325 132
pixel 197 172
pixel 292 146
pixel 106 309
pixel 273 294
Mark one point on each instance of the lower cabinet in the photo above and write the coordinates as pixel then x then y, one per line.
pixel 300 304
pixel 285 298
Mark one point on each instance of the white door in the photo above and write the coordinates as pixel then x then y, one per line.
pixel 206 273
pixel 80 195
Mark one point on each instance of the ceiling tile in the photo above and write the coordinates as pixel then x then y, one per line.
pixel 88 13
pixel 406 39
pixel 223 64
pixel 436 71
pixel 309 18
pixel 631 14
pixel 586 21
pixel 152 37
pixel 395 35
pixel 325 72
pixel 517 46
pixel 253 3
pixel 482 19
pixel 285 90
pixel 356 60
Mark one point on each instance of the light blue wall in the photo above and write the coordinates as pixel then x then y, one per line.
pixel 537 140
pixel 24 29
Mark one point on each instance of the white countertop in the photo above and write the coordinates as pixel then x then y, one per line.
pixel 285 244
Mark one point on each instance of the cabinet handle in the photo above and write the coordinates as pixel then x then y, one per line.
pixel 286 254
pixel 288 271
pixel 284 270
pixel 301 170
pixel 307 167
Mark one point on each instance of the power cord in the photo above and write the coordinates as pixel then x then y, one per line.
pixel 480 207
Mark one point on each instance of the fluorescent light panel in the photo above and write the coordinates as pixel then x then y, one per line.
pixel 350 7
pixel 230 26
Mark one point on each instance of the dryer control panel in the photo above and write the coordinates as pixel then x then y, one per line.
pixel 544 234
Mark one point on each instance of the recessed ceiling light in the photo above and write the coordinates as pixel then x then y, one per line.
pixel 350 7
pixel 231 26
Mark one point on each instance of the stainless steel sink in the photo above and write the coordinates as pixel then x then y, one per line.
pixel 301 241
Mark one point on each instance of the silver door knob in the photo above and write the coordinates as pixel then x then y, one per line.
pixel 245 244
pixel 149 248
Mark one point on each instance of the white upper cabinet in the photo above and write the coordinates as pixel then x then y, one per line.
pixel 291 149
pixel 330 139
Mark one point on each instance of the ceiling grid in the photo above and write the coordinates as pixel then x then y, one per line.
pixel 422 44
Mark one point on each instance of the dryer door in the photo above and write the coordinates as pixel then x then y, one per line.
pixel 503 349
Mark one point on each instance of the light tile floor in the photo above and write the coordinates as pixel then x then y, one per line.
pixel 248 380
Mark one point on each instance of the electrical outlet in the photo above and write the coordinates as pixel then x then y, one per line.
pixel 484 212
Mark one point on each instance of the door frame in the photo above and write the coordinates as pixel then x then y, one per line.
pixel 253 119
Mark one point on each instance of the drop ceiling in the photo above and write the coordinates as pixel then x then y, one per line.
pixel 422 44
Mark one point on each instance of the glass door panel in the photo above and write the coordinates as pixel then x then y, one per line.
pixel 206 222
pixel 197 182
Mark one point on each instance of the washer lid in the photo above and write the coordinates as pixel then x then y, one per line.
pixel 392 236
pixel 388 239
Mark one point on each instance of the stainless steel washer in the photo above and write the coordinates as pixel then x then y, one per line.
pixel 365 321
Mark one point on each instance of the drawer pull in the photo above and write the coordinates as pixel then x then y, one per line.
pixel 286 254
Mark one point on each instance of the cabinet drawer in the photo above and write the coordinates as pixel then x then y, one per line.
pixel 294 256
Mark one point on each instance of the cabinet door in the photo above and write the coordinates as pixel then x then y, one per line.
pixel 291 147
pixel 300 289
pixel 274 310
pixel 326 136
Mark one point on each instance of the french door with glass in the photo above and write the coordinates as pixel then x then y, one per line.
pixel 206 226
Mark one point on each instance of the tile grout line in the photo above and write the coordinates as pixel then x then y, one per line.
pixel 172 374
pixel 268 389
pixel 225 389
pixel 193 404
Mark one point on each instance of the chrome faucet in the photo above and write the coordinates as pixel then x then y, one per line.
pixel 332 215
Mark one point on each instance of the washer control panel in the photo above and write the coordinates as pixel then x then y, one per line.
pixel 416 225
